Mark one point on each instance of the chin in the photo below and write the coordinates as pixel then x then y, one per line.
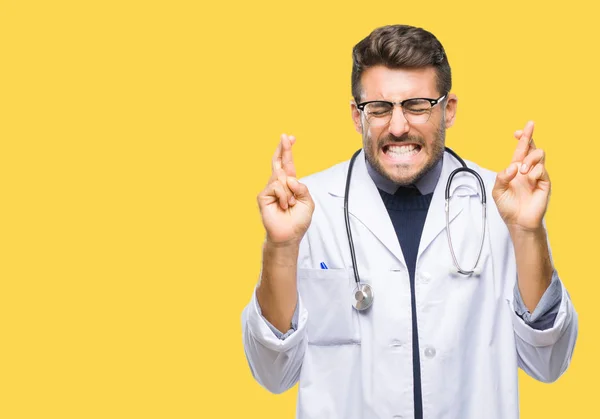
pixel 402 174
pixel 405 179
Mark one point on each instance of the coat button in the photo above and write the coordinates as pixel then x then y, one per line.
pixel 429 352
pixel 396 344
pixel 425 277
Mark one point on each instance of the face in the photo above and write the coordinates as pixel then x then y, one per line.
pixel 401 151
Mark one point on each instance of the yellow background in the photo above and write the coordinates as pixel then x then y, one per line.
pixel 135 135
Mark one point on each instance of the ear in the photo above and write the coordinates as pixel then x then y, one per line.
pixel 450 110
pixel 356 117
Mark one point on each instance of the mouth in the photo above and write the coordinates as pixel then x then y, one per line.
pixel 401 152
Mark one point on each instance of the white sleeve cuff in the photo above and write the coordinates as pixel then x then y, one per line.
pixel 545 312
pixel 259 327
pixel 547 337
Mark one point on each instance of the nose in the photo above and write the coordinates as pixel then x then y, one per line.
pixel 398 124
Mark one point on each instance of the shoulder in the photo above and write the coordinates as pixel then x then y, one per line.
pixel 488 176
pixel 331 179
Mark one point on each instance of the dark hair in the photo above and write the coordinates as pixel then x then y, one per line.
pixel 400 46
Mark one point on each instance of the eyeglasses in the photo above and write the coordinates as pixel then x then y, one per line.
pixel 416 111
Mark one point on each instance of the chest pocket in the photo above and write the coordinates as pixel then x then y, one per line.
pixel 327 296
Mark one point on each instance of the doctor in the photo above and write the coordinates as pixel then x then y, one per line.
pixel 433 343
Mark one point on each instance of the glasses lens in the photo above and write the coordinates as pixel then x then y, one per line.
pixel 378 113
pixel 417 111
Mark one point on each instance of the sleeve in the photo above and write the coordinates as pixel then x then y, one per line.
pixel 275 363
pixel 546 354
pixel 545 312
pixel 277 332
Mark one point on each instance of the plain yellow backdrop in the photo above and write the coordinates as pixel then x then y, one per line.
pixel 135 135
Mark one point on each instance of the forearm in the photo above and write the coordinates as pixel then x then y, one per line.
pixel 534 266
pixel 277 292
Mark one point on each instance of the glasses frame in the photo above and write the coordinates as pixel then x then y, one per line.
pixel 433 102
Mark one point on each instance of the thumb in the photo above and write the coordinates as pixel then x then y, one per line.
pixel 299 189
pixel 504 177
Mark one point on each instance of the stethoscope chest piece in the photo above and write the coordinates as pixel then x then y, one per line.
pixel 363 297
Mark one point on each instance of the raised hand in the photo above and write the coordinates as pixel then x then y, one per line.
pixel 285 204
pixel 522 191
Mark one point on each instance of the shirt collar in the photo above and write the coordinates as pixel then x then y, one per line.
pixel 425 185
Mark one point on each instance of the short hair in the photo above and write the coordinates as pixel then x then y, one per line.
pixel 397 47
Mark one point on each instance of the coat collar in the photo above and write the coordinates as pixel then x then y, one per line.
pixel 366 205
pixel 425 185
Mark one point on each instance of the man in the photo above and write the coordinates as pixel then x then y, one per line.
pixel 435 342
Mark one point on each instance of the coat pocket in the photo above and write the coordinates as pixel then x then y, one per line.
pixel 327 296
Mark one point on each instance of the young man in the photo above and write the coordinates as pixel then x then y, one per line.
pixel 432 342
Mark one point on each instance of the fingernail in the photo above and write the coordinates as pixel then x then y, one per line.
pixel 523 168
pixel 292 200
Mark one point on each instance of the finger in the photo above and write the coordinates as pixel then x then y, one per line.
pixel 278 191
pixel 503 178
pixel 524 143
pixel 280 176
pixel 276 160
pixel 287 159
pixel 277 174
pixel 533 158
pixel 268 196
pixel 299 189
pixel 538 173
pixel 265 197
pixel 518 134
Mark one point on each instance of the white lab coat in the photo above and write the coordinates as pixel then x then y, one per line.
pixel 353 365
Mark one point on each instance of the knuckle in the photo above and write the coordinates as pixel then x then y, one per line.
pixel 260 198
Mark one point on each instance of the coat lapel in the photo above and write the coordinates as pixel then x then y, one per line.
pixel 365 205
pixel 464 186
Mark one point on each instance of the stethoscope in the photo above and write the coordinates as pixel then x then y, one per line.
pixel 363 293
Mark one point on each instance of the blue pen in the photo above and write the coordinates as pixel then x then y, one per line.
pixel 323 266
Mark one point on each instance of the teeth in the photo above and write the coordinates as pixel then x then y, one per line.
pixel 402 149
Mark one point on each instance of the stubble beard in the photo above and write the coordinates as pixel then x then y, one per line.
pixel 437 152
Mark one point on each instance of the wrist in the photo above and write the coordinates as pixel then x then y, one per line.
pixel 286 246
pixel 517 231
pixel 281 254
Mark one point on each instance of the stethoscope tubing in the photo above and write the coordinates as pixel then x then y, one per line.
pixel 447 196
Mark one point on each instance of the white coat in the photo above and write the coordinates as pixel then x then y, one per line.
pixel 353 365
